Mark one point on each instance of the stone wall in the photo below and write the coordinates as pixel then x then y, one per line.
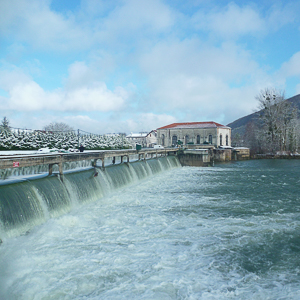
pixel 207 157
pixel 240 154
pixel 195 158
pixel 220 155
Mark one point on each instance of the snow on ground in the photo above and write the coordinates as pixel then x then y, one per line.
pixel 17 152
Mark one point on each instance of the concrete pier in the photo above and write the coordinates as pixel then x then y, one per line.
pixel 187 157
pixel 195 157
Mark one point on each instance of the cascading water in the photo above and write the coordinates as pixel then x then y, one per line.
pixel 28 203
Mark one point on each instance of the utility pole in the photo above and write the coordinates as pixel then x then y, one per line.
pixel 78 139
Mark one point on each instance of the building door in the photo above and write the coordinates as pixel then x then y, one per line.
pixel 210 139
pixel 198 139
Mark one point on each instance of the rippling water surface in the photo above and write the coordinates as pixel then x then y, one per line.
pixel 227 232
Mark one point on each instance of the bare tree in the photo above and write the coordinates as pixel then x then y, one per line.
pixel 61 127
pixel 278 120
pixel 293 135
pixel 252 138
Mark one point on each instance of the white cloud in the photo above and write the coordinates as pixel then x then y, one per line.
pixel 133 123
pixel 97 98
pixel 281 14
pixel 234 21
pixel 191 57
pixel 291 67
pixel 15 52
pixel 140 56
pixel 198 82
pixel 26 95
pixel 34 22
pixel 79 74
pixel 149 121
pixel 83 122
pixel 136 122
pixel 137 18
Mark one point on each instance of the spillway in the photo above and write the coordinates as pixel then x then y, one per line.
pixel 29 202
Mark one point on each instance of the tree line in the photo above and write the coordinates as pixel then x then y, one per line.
pixel 57 136
pixel 53 127
pixel 275 130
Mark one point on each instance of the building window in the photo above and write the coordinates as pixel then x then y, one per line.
pixel 226 139
pixel 163 139
pixel 210 139
pixel 198 139
pixel 174 140
pixel 186 139
pixel 221 142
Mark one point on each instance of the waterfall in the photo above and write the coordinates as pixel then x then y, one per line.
pixel 27 203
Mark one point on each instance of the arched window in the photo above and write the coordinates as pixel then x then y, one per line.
pixel 174 140
pixel 226 139
pixel 163 139
pixel 198 139
pixel 221 138
pixel 186 139
pixel 210 139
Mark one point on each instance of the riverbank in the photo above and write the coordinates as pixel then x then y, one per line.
pixel 276 156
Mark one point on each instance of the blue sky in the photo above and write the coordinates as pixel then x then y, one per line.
pixel 136 65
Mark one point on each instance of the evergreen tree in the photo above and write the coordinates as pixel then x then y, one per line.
pixel 5 125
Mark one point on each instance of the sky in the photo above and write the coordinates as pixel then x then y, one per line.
pixel 110 66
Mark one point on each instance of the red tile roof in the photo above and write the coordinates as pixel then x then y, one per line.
pixel 194 125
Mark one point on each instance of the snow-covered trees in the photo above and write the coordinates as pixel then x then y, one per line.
pixel 39 139
pixel 4 125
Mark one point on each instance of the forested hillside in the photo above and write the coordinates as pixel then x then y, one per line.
pixel 239 125
pixel 274 128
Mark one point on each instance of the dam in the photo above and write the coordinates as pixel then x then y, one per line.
pixel 59 159
pixel 35 188
pixel 31 200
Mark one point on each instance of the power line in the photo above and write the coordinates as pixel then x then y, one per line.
pixel 54 131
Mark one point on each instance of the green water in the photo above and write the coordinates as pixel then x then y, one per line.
pixel 226 232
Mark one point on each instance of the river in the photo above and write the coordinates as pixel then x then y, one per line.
pixel 226 232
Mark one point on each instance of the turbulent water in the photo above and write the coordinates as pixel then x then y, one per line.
pixel 227 232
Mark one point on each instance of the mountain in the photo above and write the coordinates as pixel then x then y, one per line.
pixel 239 125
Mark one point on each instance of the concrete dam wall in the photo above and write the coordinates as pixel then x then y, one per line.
pixel 30 202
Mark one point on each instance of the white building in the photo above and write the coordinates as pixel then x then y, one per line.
pixel 197 133
pixel 151 138
pixel 137 138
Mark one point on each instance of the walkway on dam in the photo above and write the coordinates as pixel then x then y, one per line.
pixel 19 161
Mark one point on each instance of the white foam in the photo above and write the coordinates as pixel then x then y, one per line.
pixel 157 240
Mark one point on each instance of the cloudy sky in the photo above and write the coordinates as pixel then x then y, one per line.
pixel 107 66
